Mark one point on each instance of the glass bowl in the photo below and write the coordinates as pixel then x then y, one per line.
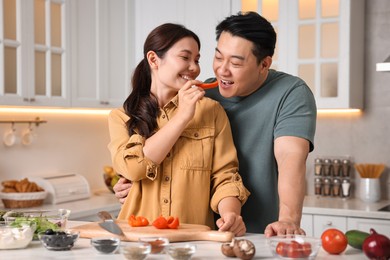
pixel 136 251
pixel 181 251
pixel 158 243
pixel 106 245
pixel 294 246
pixel 15 237
pixel 58 240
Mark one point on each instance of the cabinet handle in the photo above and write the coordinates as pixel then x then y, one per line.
pixel 104 103
pixel 329 223
pixel 29 99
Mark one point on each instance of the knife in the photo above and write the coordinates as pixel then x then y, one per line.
pixel 109 223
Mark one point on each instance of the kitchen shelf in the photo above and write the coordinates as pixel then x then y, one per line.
pixel 37 121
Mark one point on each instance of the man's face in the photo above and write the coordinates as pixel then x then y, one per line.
pixel 236 67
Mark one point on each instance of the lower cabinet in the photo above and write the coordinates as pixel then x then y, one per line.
pixel 315 225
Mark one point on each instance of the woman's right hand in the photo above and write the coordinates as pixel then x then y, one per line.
pixel 189 94
pixel 122 189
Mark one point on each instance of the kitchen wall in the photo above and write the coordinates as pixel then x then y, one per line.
pixel 78 143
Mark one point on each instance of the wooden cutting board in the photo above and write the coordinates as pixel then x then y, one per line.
pixel 185 232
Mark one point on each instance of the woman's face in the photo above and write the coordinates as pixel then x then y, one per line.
pixel 179 64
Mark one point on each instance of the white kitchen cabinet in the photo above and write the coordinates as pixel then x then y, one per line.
pixel 102 52
pixel 34 53
pixel 324 222
pixel 321 42
pixel 200 16
pixel 364 224
pixel 307 224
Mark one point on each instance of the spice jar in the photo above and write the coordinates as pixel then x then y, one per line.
pixel 336 167
pixel 346 188
pixel 317 186
pixel 336 187
pixel 345 167
pixel 318 166
pixel 327 167
pixel 327 186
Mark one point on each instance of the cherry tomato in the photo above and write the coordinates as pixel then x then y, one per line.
pixel 334 241
pixel 294 250
pixel 306 249
pixel 281 249
pixel 138 221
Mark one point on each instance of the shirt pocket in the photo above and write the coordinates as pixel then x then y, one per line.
pixel 195 149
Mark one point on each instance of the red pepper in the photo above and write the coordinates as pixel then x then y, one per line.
pixel 160 223
pixel 138 221
pixel 164 223
pixel 207 85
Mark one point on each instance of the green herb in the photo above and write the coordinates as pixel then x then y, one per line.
pixel 41 224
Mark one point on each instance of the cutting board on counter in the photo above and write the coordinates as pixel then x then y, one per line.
pixel 185 232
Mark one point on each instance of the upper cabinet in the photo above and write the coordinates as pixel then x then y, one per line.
pixel 321 41
pixel 34 53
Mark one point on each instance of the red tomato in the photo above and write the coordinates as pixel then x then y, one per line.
pixel 306 249
pixel 334 241
pixel 294 250
pixel 281 249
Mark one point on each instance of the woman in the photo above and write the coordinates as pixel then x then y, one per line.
pixel 174 145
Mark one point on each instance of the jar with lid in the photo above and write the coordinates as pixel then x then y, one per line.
pixel 327 187
pixel 336 187
pixel 346 167
pixel 318 166
pixel 346 188
pixel 318 186
pixel 336 165
pixel 327 168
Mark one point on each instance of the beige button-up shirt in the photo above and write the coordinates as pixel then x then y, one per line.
pixel 200 170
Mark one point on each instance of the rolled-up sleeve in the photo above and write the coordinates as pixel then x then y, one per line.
pixel 127 152
pixel 226 181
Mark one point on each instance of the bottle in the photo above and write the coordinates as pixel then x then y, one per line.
pixel 327 187
pixel 318 186
pixel 318 166
pixel 346 188
pixel 336 167
pixel 345 167
pixel 336 191
pixel 327 167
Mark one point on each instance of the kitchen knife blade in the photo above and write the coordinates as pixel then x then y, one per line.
pixel 109 223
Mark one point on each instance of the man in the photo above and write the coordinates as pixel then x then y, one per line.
pixel 273 118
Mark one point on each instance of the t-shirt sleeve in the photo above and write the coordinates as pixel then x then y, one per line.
pixel 297 114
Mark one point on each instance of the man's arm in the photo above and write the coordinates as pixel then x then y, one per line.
pixel 291 154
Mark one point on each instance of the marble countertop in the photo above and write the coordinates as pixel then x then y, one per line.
pixel 344 207
pixel 82 250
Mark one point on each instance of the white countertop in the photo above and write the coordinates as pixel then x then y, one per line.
pixel 205 250
pixel 344 207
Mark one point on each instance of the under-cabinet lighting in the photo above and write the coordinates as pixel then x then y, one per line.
pixel 383 66
pixel 339 112
pixel 55 111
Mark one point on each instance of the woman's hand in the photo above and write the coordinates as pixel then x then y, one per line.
pixel 232 222
pixel 122 189
pixel 189 94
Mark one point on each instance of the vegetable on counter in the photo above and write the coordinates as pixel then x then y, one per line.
pixel 376 246
pixel 138 221
pixel 334 241
pixel 164 223
pixel 356 238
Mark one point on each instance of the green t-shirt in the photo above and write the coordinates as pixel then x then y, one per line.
pixel 283 106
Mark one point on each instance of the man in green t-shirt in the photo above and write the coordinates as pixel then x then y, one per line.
pixel 273 119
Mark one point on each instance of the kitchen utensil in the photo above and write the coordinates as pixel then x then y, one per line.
pixel 369 170
pixel 370 190
pixel 9 138
pixel 185 232
pixel 28 136
pixel 109 223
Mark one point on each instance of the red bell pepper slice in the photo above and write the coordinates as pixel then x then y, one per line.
pixel 138 221
pixel 160 222
pixel 173 223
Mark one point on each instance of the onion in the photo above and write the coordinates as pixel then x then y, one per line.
pixel 376 246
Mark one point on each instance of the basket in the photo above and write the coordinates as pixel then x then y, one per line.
pixel 23 199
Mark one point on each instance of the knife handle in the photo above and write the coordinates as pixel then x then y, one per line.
pixel 104 215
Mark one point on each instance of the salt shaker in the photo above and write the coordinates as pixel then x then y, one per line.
pixel 346 188
pixel 318 166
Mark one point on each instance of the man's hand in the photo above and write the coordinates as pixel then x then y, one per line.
pixel 233 223
pixel 283 228
pixel 121 189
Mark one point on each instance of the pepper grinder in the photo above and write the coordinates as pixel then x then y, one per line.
pixel 318 166
pixel 345 167
pixel 327 167
pixel 317 186
pixel 336 167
